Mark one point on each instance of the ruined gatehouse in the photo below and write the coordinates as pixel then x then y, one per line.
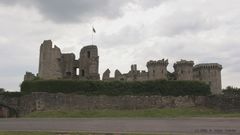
pixel 53 64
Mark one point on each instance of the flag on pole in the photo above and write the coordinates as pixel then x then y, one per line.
pixel 93 29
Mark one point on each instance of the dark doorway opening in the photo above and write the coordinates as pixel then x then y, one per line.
pixel 82 73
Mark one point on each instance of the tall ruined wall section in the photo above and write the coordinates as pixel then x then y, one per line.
pixel 183 70
pixel 89 63
pixel 49 61
pixel 157 69
pixel 211 74
pixel 68 66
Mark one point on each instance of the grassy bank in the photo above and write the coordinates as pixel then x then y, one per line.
pixel 158 113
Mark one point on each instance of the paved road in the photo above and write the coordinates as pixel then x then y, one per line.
pixel 116 125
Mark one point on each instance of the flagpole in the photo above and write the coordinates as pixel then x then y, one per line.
pixel 92 37
pixel 93 31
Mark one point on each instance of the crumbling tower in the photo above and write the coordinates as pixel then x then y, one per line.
pixel 49 61
pixel 157 69
pixel 211 74
pixel 88 63
pixel 183 70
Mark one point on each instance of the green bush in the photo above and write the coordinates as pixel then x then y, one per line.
pixel 118 88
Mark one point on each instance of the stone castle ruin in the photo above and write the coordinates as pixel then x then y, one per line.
pixel 56 65
pixel 183 70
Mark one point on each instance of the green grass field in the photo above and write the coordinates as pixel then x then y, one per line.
pixel 159 113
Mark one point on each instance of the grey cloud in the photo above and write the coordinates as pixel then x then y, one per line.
pixel 72 11
pixel 65 11
pixel 128 35
pixel 149 3
pixel 181 22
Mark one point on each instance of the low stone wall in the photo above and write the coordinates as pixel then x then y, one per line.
pixel 47 101
pixel 59 101
pixel 224 103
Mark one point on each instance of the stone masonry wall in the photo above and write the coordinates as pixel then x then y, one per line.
pixel 60 101
pixel 47 101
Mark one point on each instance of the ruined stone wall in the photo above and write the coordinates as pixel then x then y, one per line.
pixel 49 61
pixel 106 75
pixel 157 69
pixel 47 101
pixel 224 103
pixel 183 70
pixel 29 76
pixel 68 66
pixel 211 74
pixel 143 76
pixel 132 75
pixel 4 112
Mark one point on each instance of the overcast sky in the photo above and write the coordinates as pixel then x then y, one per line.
pixel 128 32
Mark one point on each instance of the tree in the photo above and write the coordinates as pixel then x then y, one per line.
pixel 232 91
pixel 2 90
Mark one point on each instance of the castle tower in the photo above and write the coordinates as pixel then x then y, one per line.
pixel 88 63
pixel 134 67
pixel 209 73
pixel 157 69
pixel 183 70
pixel 49 61
pixel 133 74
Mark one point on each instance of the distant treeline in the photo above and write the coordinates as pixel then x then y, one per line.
pixel 118 88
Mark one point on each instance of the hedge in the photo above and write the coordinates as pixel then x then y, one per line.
pixel 118 88
pixel 11 94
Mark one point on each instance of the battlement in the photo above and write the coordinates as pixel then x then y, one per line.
pixel 158 62
pixel 208 66
pixel 183 62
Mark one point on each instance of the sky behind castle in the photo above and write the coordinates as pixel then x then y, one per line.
pixel 127 32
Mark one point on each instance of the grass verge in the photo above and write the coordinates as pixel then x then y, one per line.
pixel 159 113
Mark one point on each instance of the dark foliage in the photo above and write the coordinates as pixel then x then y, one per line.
pixel 118 88
pixel 231 91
